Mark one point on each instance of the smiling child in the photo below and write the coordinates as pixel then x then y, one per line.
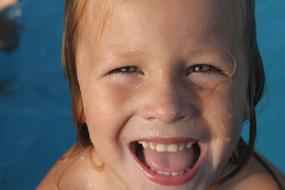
pixel 161 89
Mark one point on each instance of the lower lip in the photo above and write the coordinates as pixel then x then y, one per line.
pixel 173 180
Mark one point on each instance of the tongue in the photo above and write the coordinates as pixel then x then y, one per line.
pixel 169 161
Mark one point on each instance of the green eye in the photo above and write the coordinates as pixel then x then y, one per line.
pixel 203 68
pixel 128 69
pixel 125 70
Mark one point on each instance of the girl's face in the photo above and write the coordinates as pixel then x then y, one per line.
pixel 162 102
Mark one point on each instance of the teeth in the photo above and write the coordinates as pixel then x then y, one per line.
pixel 174 173
pixel 181 147
pixel 172 148
pixel 144 144
pixel 161 148
pixel 169 173
pixel 166 147
pixel 152 146
pixel 189 145
pixel 160 173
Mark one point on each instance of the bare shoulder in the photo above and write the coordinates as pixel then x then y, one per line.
pixel 64 169
pixel 255 176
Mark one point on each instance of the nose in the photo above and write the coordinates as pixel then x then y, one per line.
pixel 167 104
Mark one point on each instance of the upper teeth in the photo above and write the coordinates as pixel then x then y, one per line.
pixel 166 147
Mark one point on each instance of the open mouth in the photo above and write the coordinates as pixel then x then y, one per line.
pixel 168 162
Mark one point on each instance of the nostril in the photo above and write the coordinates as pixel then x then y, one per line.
pixel 166 108
pixel 182 117
pixel 150 118
pixel 167 116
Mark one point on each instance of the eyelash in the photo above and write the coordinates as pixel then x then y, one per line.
pixel 209 69
pixel 121 70
pixel 200 68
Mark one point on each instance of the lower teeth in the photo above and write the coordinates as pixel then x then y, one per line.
pixel 169 173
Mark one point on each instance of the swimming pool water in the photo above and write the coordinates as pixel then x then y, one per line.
pixel 35 111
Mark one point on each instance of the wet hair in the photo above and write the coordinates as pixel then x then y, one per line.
pixel 74 12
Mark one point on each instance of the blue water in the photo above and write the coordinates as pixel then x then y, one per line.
pixel 35 111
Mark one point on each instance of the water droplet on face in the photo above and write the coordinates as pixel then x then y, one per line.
pixel 160 74
pixel 223 126
pixel 138 85
pixel 230 116
pixel 163 76
pixel 160 111
pixel 90 185
pixel 228 139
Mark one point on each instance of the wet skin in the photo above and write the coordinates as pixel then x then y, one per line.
pixel 142 80
pixel 151 76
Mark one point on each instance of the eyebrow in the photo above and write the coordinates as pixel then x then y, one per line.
pixel 213 53
pixel 202 51
pixel 128 54
pixel 120 55
pixel 221 56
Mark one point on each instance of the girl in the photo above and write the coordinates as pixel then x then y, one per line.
pixel 160 92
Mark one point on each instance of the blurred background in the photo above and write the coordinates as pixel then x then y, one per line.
pixel 35 111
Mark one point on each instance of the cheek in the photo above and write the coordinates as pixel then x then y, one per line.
pixel 224 112
pixel 106 109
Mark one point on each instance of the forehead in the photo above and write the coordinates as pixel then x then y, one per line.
pixel 144 23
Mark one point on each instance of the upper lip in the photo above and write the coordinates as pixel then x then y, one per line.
pixel 167 134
